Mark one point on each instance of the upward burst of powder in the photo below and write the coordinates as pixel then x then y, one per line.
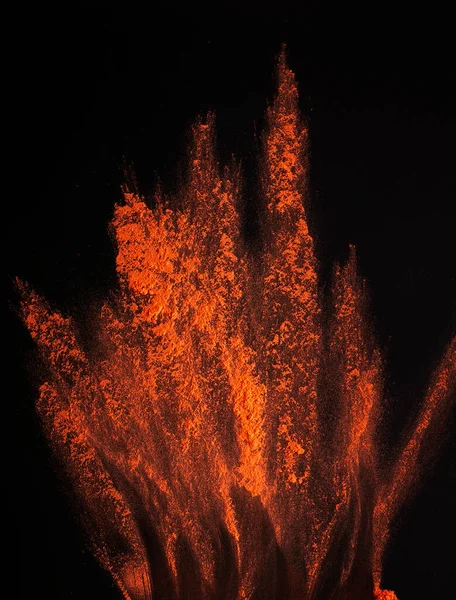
pixel 220 434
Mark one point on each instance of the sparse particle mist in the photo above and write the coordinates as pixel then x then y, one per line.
pixel 221 432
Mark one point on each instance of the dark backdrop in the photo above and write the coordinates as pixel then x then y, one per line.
pixel 93 85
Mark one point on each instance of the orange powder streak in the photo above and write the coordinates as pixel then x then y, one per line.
pixel 291 308
pixel 416 451
pixel 66 406
pixel 219 429
pixel 358 374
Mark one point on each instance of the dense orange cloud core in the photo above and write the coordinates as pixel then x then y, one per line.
pixel 220 429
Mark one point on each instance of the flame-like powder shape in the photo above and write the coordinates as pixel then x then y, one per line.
pixel 220 431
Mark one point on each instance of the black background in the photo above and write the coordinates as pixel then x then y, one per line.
pixel 93 85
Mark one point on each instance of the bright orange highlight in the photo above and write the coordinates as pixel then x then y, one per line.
pixel 220 428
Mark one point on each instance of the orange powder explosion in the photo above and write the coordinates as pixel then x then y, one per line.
pixel 220 430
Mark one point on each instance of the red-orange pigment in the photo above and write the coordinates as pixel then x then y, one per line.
pixel 220 434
